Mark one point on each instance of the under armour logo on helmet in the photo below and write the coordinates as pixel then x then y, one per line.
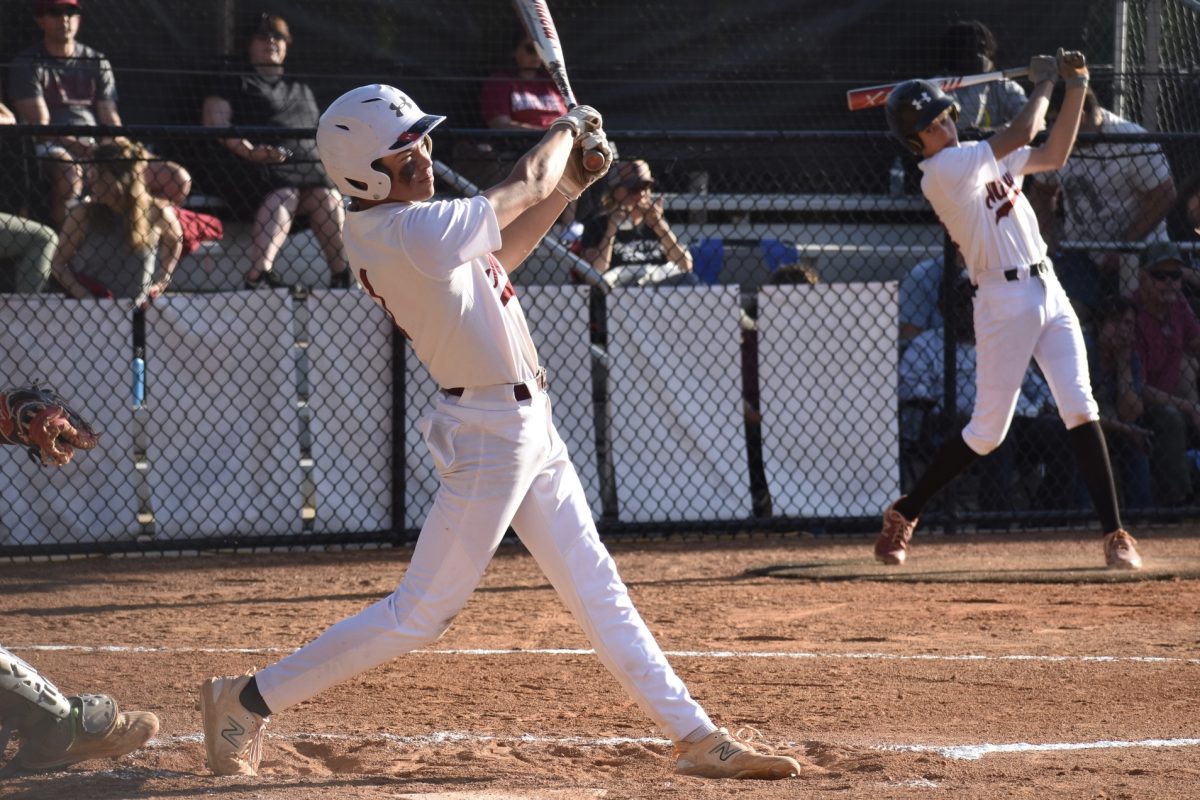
pixel 919 102
pixel 401 106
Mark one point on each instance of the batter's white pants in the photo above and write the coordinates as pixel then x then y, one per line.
pixel 1016 320
pixel 501 462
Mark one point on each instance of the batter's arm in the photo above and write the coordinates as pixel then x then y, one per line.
pixel 1025 126
pixel 527 231
pixel 532 181
pixel 1053 154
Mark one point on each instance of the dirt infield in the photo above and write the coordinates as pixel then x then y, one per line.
pixel 973 673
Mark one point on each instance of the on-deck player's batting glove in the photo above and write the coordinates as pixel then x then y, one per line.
pixel 37 418
pixel 576 177
pixel 581 119
pixel 1042 69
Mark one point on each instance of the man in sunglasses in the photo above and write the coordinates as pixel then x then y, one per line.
pixel 61 81
pixel 1168 343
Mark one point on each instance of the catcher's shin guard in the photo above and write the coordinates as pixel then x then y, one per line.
pixel 56 731
pixel 26 698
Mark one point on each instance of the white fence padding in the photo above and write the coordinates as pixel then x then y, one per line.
pixel 828 388
pixel 221 392
pixel 82 349
pixel 349 361
pixel 675 389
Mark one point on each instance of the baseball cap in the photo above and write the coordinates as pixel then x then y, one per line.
pixel 42 6
pixel 631 174
pixel 1163 255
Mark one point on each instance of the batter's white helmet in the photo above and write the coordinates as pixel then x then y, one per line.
pixel 362 126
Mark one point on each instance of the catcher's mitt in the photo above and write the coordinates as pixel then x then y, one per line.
pixel 37 418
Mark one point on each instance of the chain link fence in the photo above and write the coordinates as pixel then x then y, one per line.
pixel 795 379
pixel 789 358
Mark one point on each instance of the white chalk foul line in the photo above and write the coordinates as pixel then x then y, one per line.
pixel 554 651
pixel 971 752
pixel 963 752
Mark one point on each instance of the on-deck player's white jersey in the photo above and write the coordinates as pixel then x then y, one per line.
pixel 430 266
pixel 980 202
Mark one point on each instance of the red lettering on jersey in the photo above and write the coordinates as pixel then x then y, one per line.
pixel 495 271
pixel 1002 193
pixel 362 277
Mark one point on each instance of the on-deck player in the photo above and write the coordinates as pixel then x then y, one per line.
pixel 1020 308
pixel 440 269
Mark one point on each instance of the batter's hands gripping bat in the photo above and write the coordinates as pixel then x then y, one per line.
pixel 535 16
pixel 876 96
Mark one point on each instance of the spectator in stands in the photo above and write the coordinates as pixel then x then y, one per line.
pixel 280 181
pixel 1108 192
pixel 523 97
pixel 1167 342
pixel 61 81
pixel 121 242
pixel 920 292
pixel 630 242
pixel 968 47
pixel 1037 437
pixel 28 244
pixel 1118 384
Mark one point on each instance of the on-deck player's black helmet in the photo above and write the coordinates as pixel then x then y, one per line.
pixel 912 106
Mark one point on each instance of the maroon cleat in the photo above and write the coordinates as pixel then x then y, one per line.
pixel 892 545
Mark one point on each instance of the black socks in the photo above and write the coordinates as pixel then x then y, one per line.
pixel 252 700
pixel 951 461
pixel 1091 453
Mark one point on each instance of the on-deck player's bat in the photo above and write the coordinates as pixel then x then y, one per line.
pixel 535 16
pixel 876 96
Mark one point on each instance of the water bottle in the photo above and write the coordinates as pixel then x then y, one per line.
pixel 139 378
pixel 896 178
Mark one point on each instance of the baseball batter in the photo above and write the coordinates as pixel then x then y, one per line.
pixel 55 730
pixel 440 269
pixel 1020 310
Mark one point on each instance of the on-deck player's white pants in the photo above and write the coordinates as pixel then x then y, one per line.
pixel 1016 320
pixel 500 462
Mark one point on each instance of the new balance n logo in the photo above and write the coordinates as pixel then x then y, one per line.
pixel 234 732
pixel 726 750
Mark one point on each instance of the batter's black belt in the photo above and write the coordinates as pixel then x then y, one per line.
pixel 1034 269
pixel 520 390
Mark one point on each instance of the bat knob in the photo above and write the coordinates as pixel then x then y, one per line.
pixel 593 161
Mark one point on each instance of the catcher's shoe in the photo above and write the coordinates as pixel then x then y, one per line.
pixel 1120 551
pixel 96 728
pixel 892 545
pixel 232 734
pixel 719 755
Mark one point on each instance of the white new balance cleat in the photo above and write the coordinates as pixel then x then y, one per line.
pixel 232 733
pixel 719 755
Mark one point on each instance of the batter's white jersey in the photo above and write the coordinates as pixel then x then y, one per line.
pixel 430 265
pixel 980 202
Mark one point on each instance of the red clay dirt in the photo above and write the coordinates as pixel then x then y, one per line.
pixel 1018 641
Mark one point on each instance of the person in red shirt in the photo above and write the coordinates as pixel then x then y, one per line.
pixel 1168 340
pixel 524 97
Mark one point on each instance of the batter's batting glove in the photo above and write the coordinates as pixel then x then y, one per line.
pixel 1072 66
pixel 576 177
pixel 37 418
pixel 581 119
pixel 1043 69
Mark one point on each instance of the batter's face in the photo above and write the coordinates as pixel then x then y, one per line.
pixel 412 172
pixel 940 134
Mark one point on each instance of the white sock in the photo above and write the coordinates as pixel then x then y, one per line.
pixel 699 733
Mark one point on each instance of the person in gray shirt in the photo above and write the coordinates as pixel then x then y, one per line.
pixel 61 81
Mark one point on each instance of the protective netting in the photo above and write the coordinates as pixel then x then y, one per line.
pixel 790 374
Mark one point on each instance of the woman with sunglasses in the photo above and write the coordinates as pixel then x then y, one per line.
pixel 276 180
pixel 1167 342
